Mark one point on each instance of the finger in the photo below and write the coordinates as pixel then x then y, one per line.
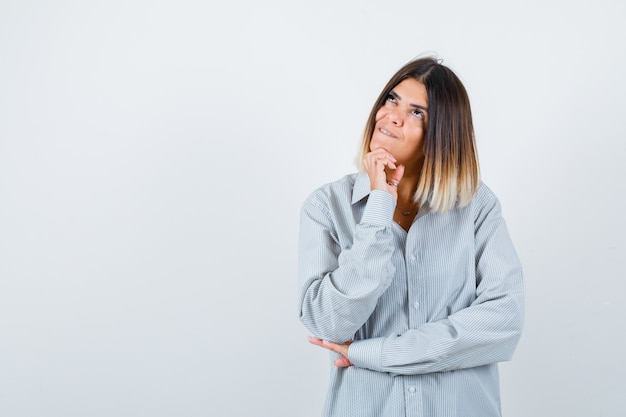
pixel 342 362
pixel 379 155
pixel 397 175
pixel 331 346
pixel 384 156
pixel 315 341
pixel 325 344
pixel 377 166
pixel 381 163
pixel 382 152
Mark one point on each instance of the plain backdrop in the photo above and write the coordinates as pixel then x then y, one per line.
pixel 154 156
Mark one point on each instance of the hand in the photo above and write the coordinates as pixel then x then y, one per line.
pixel 375 163
pixel 342 349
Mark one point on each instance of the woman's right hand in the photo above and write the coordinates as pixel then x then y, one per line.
pixel 375 163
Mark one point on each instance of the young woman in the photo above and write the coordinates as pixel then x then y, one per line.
pixel 407 273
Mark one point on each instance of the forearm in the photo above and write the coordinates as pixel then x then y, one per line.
pixel 484 332
pixel 475 336
pixel 340 286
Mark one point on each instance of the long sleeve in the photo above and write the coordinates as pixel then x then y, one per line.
pixel 340 282
pixel 445 296
pixel 485 332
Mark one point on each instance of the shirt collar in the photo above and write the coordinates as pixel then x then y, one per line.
pixel 361 187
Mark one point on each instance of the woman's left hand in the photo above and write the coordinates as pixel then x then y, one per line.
pixel 341 349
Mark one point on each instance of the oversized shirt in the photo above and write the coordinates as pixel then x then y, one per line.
pixel 430 311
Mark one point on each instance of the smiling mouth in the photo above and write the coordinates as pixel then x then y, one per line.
pixel 386 132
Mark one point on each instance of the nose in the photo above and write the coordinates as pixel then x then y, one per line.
pixel 395 117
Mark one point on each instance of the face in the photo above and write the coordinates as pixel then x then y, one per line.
pixel 401 122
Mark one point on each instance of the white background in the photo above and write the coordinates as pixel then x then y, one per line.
pixel 154 156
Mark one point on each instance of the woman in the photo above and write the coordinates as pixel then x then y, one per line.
pixel 407 272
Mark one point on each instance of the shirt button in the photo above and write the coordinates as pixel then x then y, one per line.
pixel 413 257
pixel 416 305
pixel 412 390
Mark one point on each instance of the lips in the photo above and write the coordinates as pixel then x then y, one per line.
pixel 386 132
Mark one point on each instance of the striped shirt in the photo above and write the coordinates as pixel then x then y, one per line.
pixel 431 311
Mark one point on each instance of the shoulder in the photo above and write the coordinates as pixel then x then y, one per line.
pixel 330 202
pixel 485 204
pixel 339 190
pixel 484 195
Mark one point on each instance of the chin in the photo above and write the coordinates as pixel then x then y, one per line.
pixel 378 144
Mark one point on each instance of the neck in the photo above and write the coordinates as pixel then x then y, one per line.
pixel 410 179
pixel 407 187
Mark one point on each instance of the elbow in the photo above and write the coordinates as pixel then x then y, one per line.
pixel 515 323
pixel 327 328
pixel 518 318
pixel 515 330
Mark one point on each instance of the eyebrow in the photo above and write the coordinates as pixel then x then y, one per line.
pixel 397 97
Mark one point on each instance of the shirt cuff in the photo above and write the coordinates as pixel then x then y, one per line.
pixel 366 353
pixel 379 208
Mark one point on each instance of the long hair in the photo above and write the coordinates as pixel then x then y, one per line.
pixel 450 174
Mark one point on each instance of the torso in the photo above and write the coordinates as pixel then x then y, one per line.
pixel 404 221
pixel 402 218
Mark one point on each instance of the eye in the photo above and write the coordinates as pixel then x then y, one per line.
pixel 418 113
pixel 391 99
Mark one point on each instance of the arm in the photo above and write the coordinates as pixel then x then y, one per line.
pixel 339 287
pixel 485 332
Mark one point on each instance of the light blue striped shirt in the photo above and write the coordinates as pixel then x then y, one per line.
pixel 431 311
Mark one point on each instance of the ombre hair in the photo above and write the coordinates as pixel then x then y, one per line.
pixel 450 174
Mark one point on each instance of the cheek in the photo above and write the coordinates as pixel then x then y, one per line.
pixel 380 114
pixel 419 134
pixel 416 134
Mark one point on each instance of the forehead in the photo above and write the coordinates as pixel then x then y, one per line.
pixel 412 91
